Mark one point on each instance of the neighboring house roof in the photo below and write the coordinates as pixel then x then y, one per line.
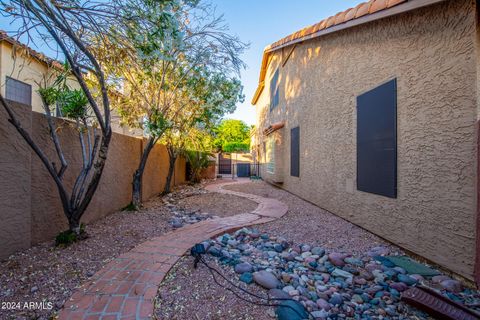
pixel 34 54
pixel 362 13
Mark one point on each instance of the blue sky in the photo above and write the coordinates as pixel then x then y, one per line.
pixel 261 22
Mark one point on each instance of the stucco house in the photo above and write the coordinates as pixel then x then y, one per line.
pixel 22 72
pixel 372 114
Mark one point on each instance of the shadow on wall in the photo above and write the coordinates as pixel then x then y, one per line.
pixel 30 209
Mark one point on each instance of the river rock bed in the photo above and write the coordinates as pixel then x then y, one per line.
pixel 330 285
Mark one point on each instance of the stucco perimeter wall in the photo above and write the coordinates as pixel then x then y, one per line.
pixel 431 52
pixel 30 208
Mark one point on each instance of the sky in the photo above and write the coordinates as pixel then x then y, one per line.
pixel 260 23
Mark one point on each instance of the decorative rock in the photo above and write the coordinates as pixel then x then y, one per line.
pixel 287 289
pixel 278 248
pixel 341 273
pixel 243 267
pixel 357 299
pixel 323 304
pixel 336 299
pixel 354 261
pixel 337 259
pixel 320 314
pixel 452 285
pixel 247 277
pixel 439 279
pixel 399 286
pixel 409 281
pixel 278 294
pixel 291 310
pixel 318 251
pixel 305 248
pixel 266 279
pixel 34 289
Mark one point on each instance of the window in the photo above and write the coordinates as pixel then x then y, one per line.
pixel 295 152
pixel 270 153
pixel 274 91
pixel 18 91
pixel 377 140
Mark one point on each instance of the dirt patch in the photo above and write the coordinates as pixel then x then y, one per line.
pixel 50 274
pixel 188 293
pixel 217 204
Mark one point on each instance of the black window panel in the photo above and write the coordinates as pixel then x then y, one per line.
pixel 274 92
pixel 295 152
pixel 18 91
pixel 377 140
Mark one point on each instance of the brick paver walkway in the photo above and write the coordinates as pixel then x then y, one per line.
pixel 126 287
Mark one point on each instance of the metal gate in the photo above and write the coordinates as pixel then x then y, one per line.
pixel 224 164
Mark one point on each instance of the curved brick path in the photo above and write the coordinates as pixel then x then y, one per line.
pixel 126 287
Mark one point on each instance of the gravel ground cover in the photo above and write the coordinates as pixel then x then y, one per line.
pixel 45 273
pixel 216 204
pixel 188 293
pixel 306 223
pixel 322 261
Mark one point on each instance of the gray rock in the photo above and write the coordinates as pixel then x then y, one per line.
pixel 266 279
pixel 320 314
pixel 452 285
pixel 336 299
pixel 34 289
pixel 409 281
pixel 291 310
pixel 323 304
pixel 337 259
pixel 318 251
pixel 439 279
pixel 278 294
pixel 341 273
pixel 243 267
pixel 287 289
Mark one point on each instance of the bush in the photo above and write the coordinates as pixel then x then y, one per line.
pixel 66 238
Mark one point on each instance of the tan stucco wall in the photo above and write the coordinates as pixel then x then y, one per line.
pixel 19 66
pixel 30 209
pixel 431 52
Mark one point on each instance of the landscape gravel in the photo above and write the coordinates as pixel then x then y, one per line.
pixel 49 274
pixel 307 223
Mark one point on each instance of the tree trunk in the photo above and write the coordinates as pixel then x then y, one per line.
pixel 172 158
pixel 138 175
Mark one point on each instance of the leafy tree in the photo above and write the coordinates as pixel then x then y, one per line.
pixel 162 79
pixel 71 25
pixel 232 135
pixel 211 96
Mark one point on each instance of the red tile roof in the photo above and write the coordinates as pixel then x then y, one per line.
pixel 363 9
pixel 35 54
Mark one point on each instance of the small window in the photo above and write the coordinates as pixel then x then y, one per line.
pixel 18 91
pixel 295 152
pixel 377 140
pixel 270 153
pixel 274 91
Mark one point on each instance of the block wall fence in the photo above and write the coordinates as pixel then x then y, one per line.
pixel 30 208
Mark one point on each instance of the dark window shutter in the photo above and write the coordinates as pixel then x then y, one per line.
pixel 377 140
pixel 295 152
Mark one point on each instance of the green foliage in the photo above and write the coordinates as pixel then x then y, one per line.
pixel 130 207
pixel 198 160
pixel 236 147
pixel 49 95
pixel 232 135
pixel 66 238
pixel 73 103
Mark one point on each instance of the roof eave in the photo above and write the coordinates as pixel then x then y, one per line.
pixel 388 12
